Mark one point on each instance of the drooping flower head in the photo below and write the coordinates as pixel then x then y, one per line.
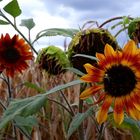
pixel 14 53
pixel 89 42
pixel 117 79
pixel 53 60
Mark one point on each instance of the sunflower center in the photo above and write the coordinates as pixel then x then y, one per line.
pixel 119 81
pixel 11 55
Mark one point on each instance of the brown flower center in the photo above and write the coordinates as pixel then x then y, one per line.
pixel 119 81
pixel 11 55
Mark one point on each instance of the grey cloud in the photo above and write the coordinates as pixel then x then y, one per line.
pixel 88 9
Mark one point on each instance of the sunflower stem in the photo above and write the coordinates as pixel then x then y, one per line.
pixel 101 132
pixel 71 110
pixel 61 105
pixel 81 129
pixel 112 19
pixel 1 14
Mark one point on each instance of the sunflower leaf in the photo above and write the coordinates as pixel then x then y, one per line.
pixel 76 71
pixel 128 124
pixel 22 107
pixel 34 86
pixel 28 23
pixel 86 56
pixel 55 32
pixel 61 87
pixel 25 124
pixel 31 105
pixel 77 120
pixel 13 8
pixel 2 22
pixel 132 126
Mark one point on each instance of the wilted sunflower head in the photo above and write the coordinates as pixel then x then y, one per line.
pixel 14 53
pixel 53 60
pixel 89 42
pixel 134 30
pixel 117 79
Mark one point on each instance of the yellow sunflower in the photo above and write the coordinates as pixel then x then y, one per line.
pixel 117 78
pixel 14 53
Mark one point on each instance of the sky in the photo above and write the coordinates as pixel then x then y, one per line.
pixel 68 14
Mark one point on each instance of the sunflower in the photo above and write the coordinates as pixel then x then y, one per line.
pixel 14 53
pixel 117 82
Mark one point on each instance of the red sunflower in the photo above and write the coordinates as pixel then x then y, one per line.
pixel 117 77
pixel 14 53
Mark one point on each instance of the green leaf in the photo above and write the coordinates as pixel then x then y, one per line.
pixel 28 23
pixel 132 126
pixel 2 22
pixel 128 124
pixel 55 32
pixel 24 107
pixel 76 71
pixel 13 8
pixel 86 56
pixel 117 24
pixel 34 86
pixel 26 124
pixel 31 105
pixel 77 120
pixel 60 87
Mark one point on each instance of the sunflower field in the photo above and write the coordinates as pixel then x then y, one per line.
pixel 88 91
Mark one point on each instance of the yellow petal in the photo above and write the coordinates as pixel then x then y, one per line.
pixel 92 78
pixel 132 111
pixel 109 51
pixel 118 110
pixel 103 112
pixel 130 48
pixel 89 68
pixel 100 56
pixel 136 100
pixel 90 91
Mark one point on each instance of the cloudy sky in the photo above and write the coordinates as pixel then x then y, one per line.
pixel 70 13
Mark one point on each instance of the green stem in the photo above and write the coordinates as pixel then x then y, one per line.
pixel 29 35
pixel 81 129
pixel 112 19
pixel 101 131
pixel 61 105
pixel 71 110
pixel 1 14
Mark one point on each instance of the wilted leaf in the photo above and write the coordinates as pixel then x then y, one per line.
pixel 28 23
pixel 13 8
pixel 78 119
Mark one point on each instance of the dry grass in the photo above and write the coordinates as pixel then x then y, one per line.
pixel 53 120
